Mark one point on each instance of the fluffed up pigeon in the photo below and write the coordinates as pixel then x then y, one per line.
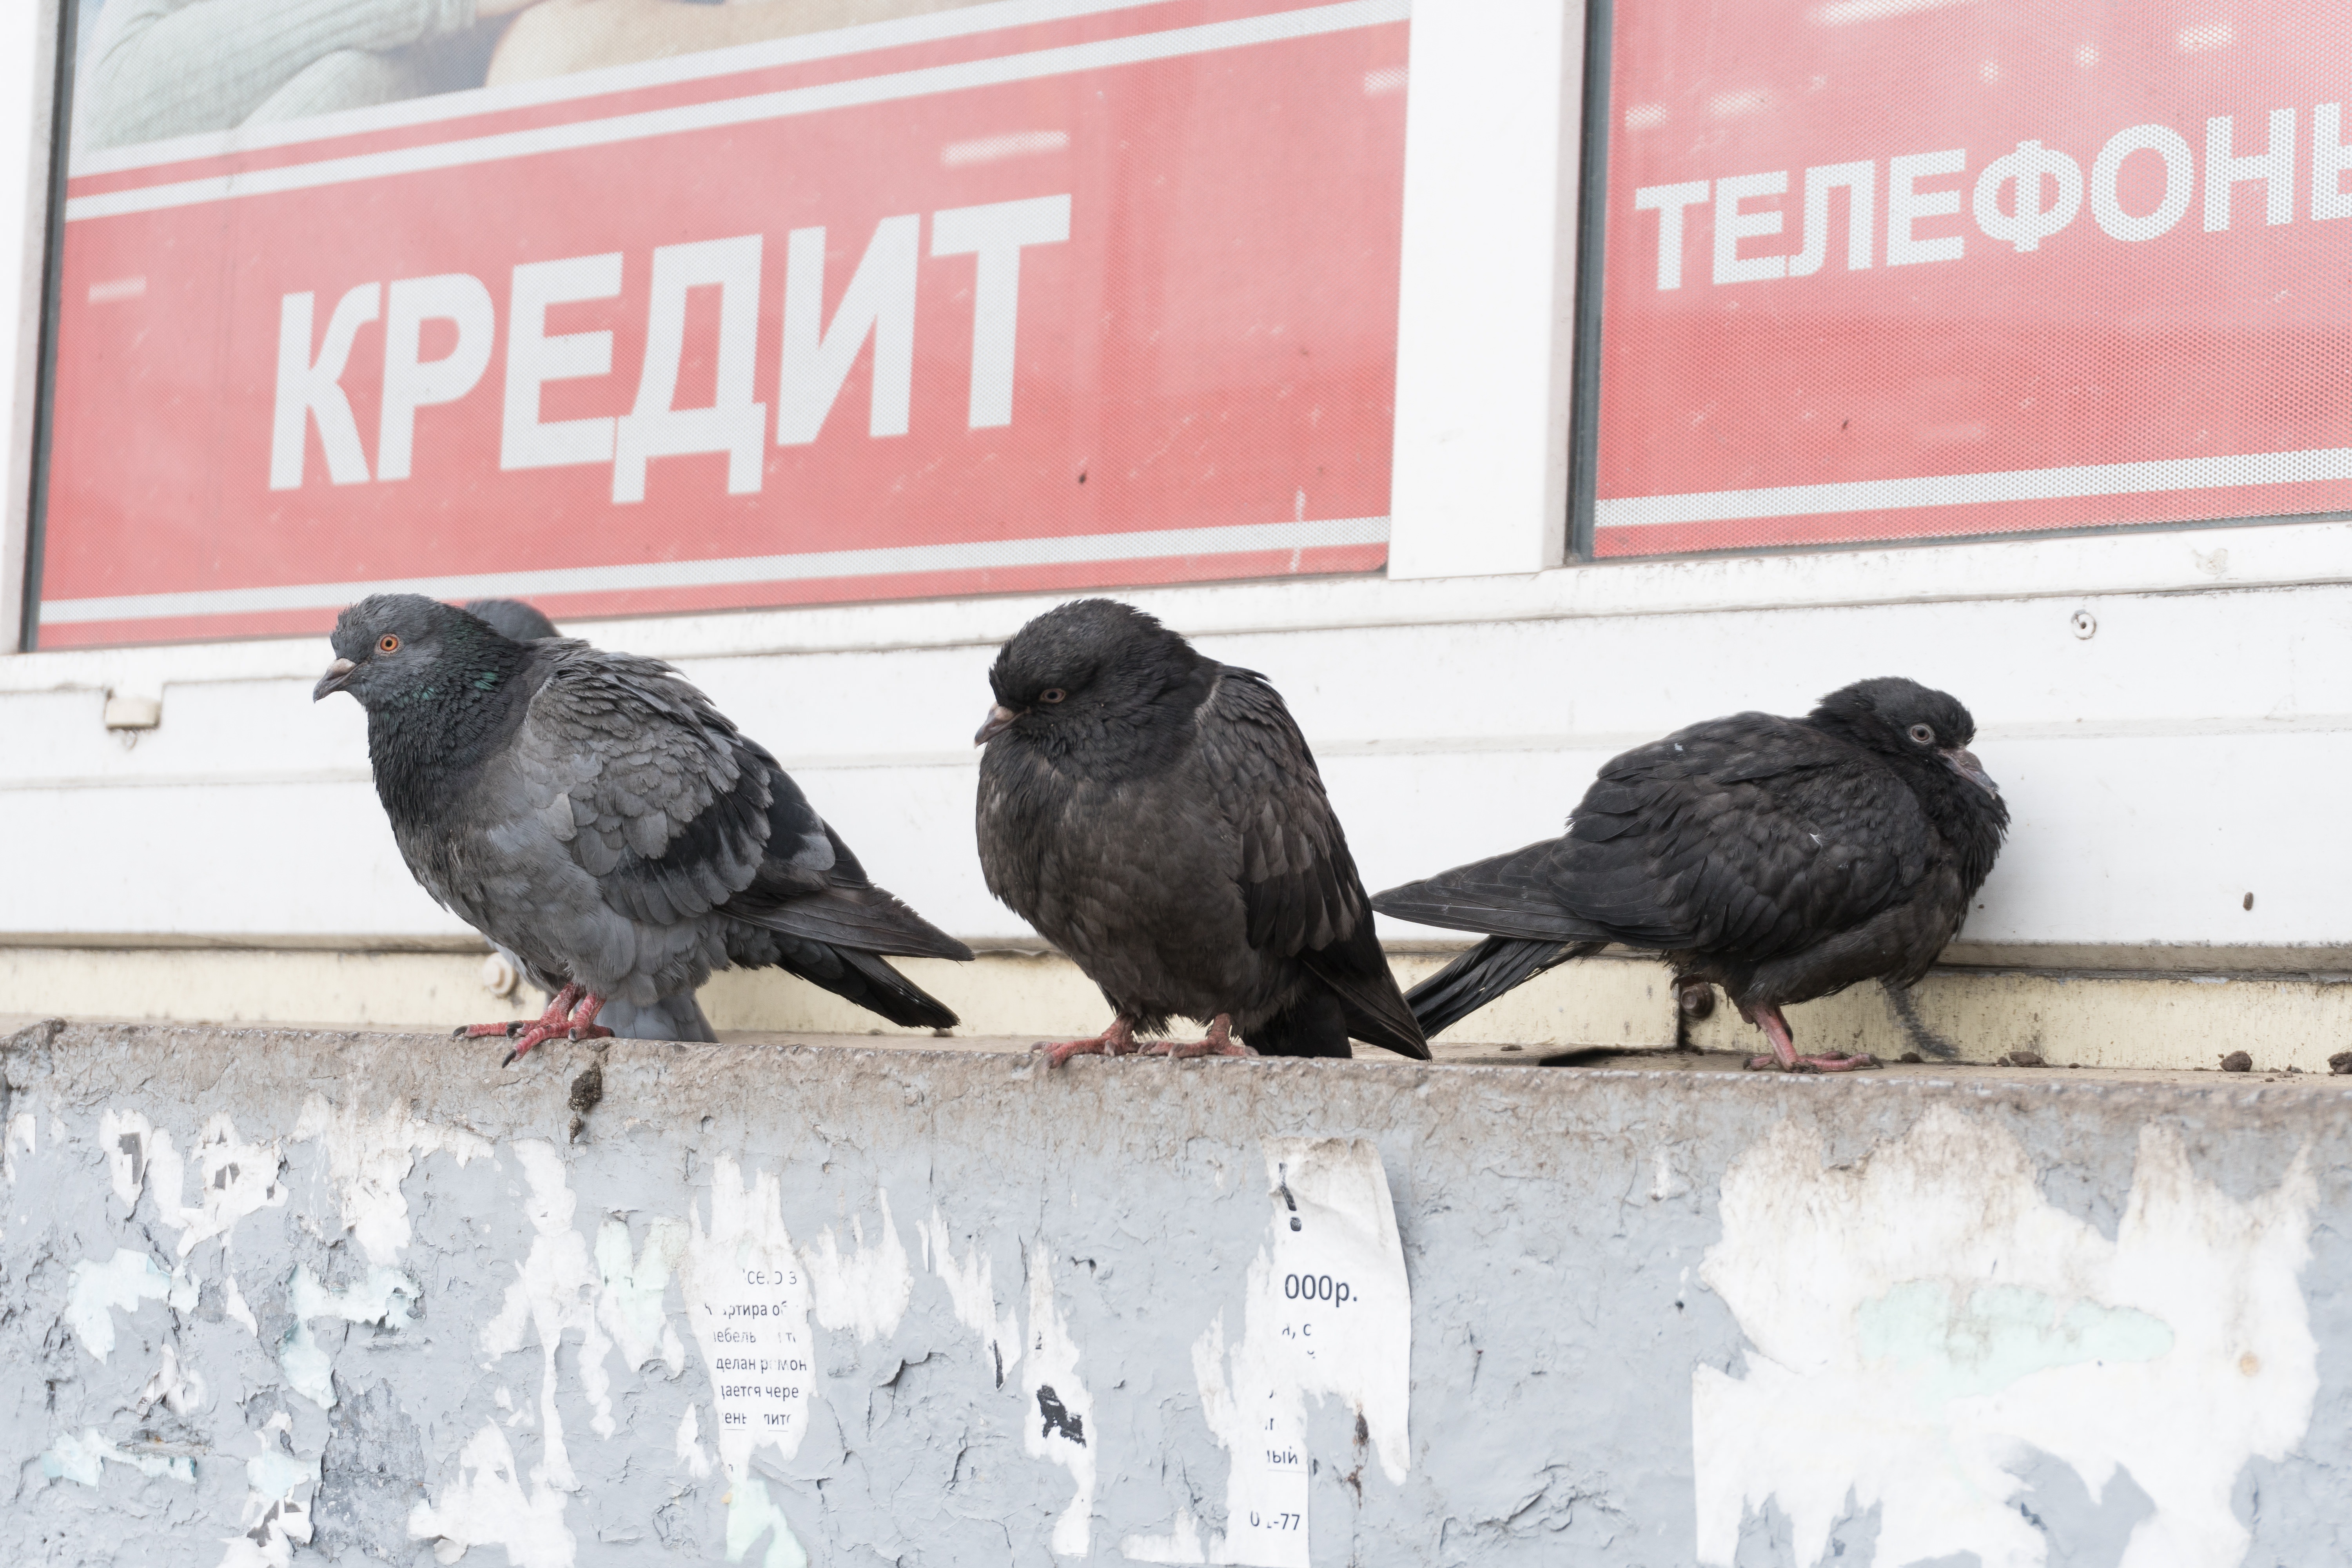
pixel 676 1017
pixel 1781 858
pixel 1157 816
pixel 593 814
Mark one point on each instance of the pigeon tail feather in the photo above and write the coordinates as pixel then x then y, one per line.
pixel 865 918
pixel 879 988
pixel 1509 895
pixel 1495 966
pixel 1357 972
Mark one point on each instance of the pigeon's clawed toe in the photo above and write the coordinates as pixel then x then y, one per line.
pixel 1218 1042
pixel 1768 1062
pixel 505 1031
pixel 1118 1040
pixel 571 1015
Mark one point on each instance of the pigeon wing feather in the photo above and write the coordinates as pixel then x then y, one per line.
pixel 1299 886
pixel 650 788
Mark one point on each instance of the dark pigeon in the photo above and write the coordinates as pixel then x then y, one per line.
pixel 512 618
pixel 1158 817
pixel 1779 858
pixel 679 1018
pixel 594 815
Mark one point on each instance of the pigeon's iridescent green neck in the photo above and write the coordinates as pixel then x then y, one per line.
pixel 426 741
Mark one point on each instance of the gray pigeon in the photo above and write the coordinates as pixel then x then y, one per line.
pixel 1779 858
pixel 679 1018
pixel 1158 817
pixel 593 814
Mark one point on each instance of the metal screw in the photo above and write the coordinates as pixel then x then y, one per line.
pixel 2086 624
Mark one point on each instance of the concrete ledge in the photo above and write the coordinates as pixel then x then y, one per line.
pixel 374 1290
pixel 2095 1019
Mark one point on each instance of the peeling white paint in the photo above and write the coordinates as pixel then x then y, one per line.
pixel 369 1157
pixel 125 1138
pixel 1050 1379
pixel 629 1301
pixel 971 1292
pixel 1329 1314
pixel 309 1370
pixel 691 1451
pixel 1180 1544
pixel 382 1297
pixel 176 1388
pixel 277 1514
pixel 233 1180
pixel 866 1289
pixel 555 1289
pixel 232 1304
pixel 96 1292
pixel 79 1458
pixel 751 1514
pixel 489 1506
pixel 1923 1321
pixel 20 1139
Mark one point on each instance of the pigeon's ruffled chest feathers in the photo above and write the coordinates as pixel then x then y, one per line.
pixel 429 748
pixel 1052 817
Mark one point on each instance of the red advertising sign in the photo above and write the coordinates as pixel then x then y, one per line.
pixel 1888 268
pixel 1032 295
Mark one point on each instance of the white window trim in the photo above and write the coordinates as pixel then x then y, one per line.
pixel 1486 320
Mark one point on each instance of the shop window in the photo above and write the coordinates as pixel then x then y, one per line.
pixel 644 306
pixel 1894 269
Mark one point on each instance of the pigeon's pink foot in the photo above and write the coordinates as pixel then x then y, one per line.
pixel 559 1010
pixel 1118 1040
pixel 1219 1042
pixel 571 1015
pixel 1784 1050
pixel 583 1025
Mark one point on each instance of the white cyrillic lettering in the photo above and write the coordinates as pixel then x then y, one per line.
pixel 733 424
pixel 1668 201
pixel 995 234
pixel 879 302
pixel 2028 223
pixel 533 359
pixel 1906 205
pixel 410 384
pixel 2329 159
pixel 2179 180
pixel 308 389
pixel 1732 225
pixel 1860 218
pixel 2274 167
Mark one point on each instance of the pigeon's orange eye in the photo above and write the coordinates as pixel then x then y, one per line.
pixel 387 643
pixel 1051 694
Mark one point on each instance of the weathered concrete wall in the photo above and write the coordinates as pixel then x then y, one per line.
pixel 273 1296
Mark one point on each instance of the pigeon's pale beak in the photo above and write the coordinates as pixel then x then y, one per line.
pixel 1965 763
pixel 998 718
pixel 332 681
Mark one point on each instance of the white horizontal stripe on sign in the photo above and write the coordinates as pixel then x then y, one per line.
pixel 894 561
pixel 1067 60
pixel 2329 463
